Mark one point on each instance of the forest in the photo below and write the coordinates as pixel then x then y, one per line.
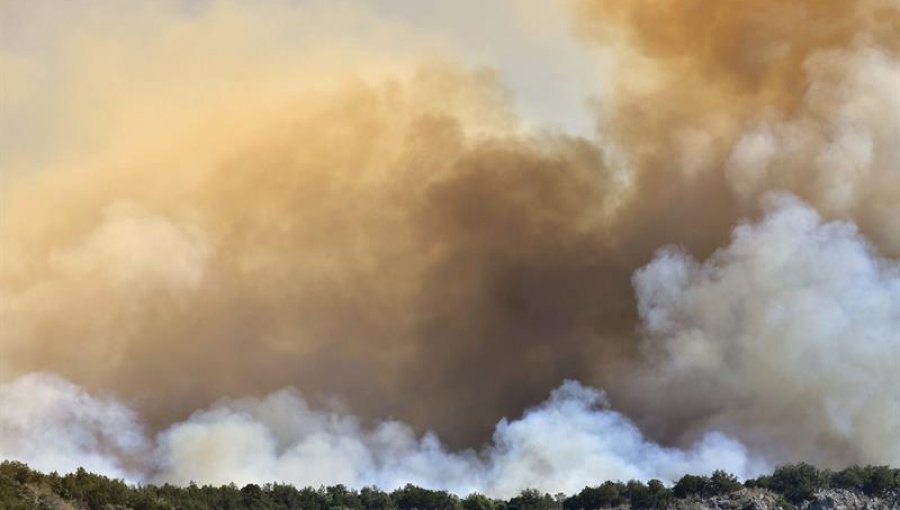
pixel 22 488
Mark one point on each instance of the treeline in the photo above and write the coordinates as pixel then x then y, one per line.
pixel 22 488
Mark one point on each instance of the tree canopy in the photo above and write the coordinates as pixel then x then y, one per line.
pixel 22 488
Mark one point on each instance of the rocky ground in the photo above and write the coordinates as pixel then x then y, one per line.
pixel 746 499
pixel 758 499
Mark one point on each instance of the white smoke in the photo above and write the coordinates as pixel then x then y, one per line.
pixel 55 425
pixel 797 321
pixel 570 441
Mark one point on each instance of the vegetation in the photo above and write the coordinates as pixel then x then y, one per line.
pixel 22 488
pixel 799 482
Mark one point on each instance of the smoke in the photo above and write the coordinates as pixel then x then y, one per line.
pixel 567 442
pixel 564 444
pixel 795 322
pixel 210 200
pixel 798 96
pixel 380 238
pixel 56 425
pixel 841 143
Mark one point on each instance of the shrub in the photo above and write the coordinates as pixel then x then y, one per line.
pixel 797 482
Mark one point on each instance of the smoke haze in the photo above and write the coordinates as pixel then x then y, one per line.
pixel 203 204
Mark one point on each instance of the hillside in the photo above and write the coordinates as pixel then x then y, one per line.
pixel 798 486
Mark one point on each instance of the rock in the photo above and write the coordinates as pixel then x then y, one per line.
pixel 835 499
pixel 759 499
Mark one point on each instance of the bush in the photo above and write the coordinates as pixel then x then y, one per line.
pixel 797 482
pixel 878 480
pixel 477 501
pixel 658 496
pixel 374 499
pixel 721 483
pixel 411 497
pixel 608 495
pixel 851 478
pixel 690 485
pixel 530 499
pixel 18 472
pixel 650 496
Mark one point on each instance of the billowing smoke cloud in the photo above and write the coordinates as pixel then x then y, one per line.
pixel 798 95
pixel 563 444
pixel 795 322
pixel 222 200
pixel 839 146
pixel 378 238
pixel 55 425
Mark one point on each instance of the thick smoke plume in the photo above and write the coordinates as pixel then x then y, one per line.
pixel 216 200
pixel 379 238
pixel 796 321
pixel 718 102
pixel 563 444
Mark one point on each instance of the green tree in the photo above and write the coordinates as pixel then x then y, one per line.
pixel 532 499
pixel 690 485
pixel 477 501
pixel 797 482
pixel 880 479
pixel 658 495
pixel 411 497
pixel 372 498
pixel 721 483
pixel 607 495
pixel 851 478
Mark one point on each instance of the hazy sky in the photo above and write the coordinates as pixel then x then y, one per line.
pixel 528 42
